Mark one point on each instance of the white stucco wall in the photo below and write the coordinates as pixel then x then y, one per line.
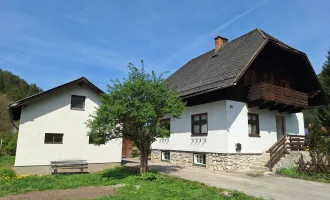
pixel 228 125
pixel 180 139
pixel 52 114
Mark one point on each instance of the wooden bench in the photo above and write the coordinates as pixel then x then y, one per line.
pixel 69 164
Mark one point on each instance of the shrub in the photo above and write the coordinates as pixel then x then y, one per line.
pixel 7 172
pixel 149 176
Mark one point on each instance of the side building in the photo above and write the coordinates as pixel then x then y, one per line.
pixel 52 128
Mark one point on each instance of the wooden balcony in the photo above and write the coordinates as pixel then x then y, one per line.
pixel 274 97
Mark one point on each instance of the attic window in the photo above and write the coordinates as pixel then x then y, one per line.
pixel 78 102
pixel 250 78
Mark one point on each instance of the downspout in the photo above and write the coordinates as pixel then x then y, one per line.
pixel 11 118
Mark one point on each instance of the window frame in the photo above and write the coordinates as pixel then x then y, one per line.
pixel 195 158
pixel 163 158
pixel 53 137
pixel 252 134
pixel 200 125
pixel 166 120
pixel 81 109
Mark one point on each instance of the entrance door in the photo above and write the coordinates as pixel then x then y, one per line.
pixel 280 126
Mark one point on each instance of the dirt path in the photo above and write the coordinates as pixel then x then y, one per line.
pixel 77 193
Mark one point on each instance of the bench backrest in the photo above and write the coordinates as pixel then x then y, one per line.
pixel 68 162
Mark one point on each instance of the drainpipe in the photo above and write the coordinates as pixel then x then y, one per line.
pixel 11 118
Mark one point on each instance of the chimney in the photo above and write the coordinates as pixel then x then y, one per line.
pixel 219 42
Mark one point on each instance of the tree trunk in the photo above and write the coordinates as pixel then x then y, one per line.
pixel 144 150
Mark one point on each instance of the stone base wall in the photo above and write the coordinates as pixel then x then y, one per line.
pixel 214 161
pixel 289 159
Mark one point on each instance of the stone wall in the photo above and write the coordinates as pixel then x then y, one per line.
pixel 289 159
pixel 214 161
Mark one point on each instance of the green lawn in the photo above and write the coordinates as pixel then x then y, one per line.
pixel 292 172
pixel 149 186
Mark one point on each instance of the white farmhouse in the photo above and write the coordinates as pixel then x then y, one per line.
pixel 242 97
pixel 52 128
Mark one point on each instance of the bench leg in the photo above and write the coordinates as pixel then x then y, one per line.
pixel 55 171
pixel 82 170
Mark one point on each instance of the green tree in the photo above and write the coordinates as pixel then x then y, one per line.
pixel 324 113
pixel 4 118
pixel 133 109
pixel 317 144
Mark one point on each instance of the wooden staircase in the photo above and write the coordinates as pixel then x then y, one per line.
pixel 285 144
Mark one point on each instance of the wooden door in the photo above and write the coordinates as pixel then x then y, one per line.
pixel 127 148
pixel 280 126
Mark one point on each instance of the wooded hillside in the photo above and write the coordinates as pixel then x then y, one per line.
pixel 12 88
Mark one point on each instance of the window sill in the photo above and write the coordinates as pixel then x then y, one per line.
pixel 78 109
pixel 165 160
pixel 53 143
pixel 199 135
pixel 254 135
pixel 199 165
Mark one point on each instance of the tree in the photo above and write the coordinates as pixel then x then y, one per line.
pixel 317 144
pixel 133 109
pixel 324 113
pixel 4 118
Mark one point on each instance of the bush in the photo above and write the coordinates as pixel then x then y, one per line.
pixel 7 172
pixel 149 176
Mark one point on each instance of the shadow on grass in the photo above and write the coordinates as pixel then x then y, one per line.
pixel 120 172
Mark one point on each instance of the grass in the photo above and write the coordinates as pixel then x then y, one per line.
pixel 293 173
pixel 7 161
pixel 150 186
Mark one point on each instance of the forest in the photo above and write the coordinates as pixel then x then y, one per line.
pixel 12 88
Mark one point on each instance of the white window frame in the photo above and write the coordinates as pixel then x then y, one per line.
pixel 200 159
pixel 163 156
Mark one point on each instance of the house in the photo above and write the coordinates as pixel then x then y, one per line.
pixel 242 96
pixel 52 128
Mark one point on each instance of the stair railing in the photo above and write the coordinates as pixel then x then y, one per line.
pixel 285 144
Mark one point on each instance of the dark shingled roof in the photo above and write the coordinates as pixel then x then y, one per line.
pixel 221 69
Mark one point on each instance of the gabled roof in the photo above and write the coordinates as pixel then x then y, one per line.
pixel 217 70
pixel 14 109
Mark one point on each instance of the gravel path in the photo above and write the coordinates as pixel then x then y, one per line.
pixel 77 193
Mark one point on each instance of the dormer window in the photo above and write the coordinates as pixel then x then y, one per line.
pixel 250 78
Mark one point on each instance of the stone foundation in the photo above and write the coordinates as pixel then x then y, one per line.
pixel 289 159
pixel 214 161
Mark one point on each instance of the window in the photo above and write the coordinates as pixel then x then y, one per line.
pixel 53 138
pixel 91 141
pixel 165 156
pixel 166 123
pixel 199 159
pixel 199 124
pixel 253 122
pixel 268 78
pixel 250 78
pixel 77 102
pixel 285 84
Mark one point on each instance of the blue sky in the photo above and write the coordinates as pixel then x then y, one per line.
pixel 51 42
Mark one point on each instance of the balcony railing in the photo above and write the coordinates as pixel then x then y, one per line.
pixel 278 95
